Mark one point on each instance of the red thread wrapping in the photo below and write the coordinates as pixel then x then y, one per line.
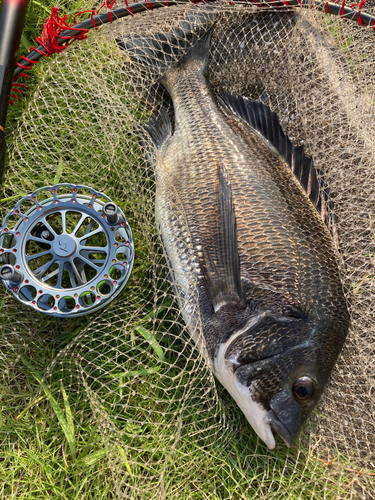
pixel 51 35
pixel 52 29
pixel 286 3
pixel 14 91
pixel 108 4
pixel 259 4
pixel 29 61
pixel 92 13
pixel 275 3
pixel 127 6
pixel 53 26
pixel 342 8
pixel 359 12
pixel 342 11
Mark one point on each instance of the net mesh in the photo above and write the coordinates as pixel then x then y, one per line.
pixel 145 413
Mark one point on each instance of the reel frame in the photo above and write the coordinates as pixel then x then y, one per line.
pixel 65 250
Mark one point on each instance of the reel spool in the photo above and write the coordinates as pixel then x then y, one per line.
pixel 65 250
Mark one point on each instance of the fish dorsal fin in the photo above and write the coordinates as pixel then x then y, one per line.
pixel 219 258
pixel 266 122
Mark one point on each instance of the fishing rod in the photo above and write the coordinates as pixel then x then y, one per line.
pixel 97 20
pixel 12 17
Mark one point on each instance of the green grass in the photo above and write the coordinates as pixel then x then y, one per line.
pixel 120 402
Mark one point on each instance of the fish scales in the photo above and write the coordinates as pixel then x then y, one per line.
pixel 277 229
pixel 254 266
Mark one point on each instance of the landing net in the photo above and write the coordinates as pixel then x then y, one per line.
pixel 147 415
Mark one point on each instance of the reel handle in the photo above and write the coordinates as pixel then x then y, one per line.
pixel 8 273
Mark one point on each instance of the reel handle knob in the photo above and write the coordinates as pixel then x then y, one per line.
pixel 110 210
pixel 8 273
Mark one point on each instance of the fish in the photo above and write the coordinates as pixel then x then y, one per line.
pixel 243 218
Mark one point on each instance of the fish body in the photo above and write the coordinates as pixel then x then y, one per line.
pixel 254 263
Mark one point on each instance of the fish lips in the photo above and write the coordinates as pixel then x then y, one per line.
pixel 280 428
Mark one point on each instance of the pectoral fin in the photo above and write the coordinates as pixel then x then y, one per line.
pixel 219 258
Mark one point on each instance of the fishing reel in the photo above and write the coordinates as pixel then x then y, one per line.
pixel 65 250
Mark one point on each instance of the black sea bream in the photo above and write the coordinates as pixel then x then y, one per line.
pixel 254 264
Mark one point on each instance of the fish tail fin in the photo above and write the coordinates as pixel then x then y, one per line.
pixel 163 51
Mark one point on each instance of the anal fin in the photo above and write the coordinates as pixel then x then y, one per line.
pixel 154 132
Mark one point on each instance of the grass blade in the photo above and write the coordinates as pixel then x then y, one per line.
pixel 147 335
pixel 25 42
pixel 94 458
pixel 33 403
pixel 69 423
pixel 155 312
pixel 42 6
pixel 59 172
pixel 136 373
pixel 66 423
pixel 123 456
pixel 10 198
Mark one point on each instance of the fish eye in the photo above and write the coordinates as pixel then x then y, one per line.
pixel 303 389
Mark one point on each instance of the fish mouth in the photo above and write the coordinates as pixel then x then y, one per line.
pixel 280 428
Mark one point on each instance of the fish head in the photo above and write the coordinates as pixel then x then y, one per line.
pixel 277 369
pixel 288 389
